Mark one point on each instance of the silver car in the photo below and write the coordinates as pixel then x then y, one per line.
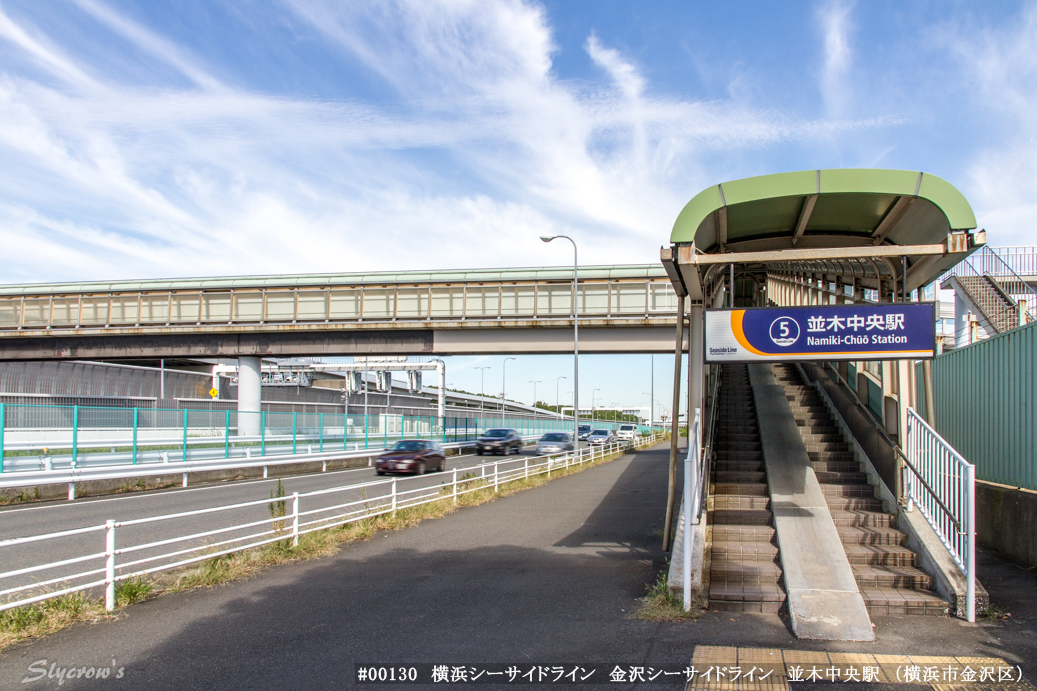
pixel 554 442
pixel 600 436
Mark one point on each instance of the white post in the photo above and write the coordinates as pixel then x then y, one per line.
pixel 690 468
pixel 394 497
pixel 496 471
pixel 295 519
pixel 71 491
pixel 910 447
pixel 250 396
pixel 185 480
pixel 455 485
pixel 109 565
pixel 970 526
pixel 525 467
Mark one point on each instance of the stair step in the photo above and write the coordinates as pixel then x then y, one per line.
pixel 869 519
pixel 743 551
pixel 901 601
pixel 738 466
pixel 888 555
pixel 742 533
pixel 871 503
pixel 826 477
pixel 737 502
pixel 740 517
pixel 749 490
pixel 745 573
pixel 870 535
pixel 739 477
pixel 848 490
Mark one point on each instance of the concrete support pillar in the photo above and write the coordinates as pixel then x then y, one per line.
pixel 250 396
pixel 696 355
pixel 441 402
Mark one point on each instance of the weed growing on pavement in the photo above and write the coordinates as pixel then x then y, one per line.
pixel 660 604
pixel 996 612
pixel 48 616
pixel 133 590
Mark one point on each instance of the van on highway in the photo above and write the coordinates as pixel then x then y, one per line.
pixel 626 432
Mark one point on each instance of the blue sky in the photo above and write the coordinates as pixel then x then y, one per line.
pixel 142 139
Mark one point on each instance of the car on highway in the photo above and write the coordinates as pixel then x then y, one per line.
pixel 627 432
pixel 499 440
pixel 600 436
pixel 584 431
pixel 554 442
pixel 411 456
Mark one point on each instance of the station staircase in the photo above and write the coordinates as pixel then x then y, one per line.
pixel 991 300
pixel 745 572
pixel 886 570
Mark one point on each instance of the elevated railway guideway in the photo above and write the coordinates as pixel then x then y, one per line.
pixel 624 308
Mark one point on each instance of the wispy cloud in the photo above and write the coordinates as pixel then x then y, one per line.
pixel 836 26
pixel 1001 63
pixel 480 148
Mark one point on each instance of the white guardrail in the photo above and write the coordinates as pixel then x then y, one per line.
pixel 696 470
pixel 289 520
pixel 942 484
pixel 72 476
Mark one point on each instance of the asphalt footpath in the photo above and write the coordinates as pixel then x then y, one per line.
pixel 545 577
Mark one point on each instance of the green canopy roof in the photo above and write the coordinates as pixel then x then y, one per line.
pixel 823 208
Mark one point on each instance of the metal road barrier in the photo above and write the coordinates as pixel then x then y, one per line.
pixel 42 437
pixel 289 517
pixel 942 484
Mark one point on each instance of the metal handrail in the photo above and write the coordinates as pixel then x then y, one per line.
pixel 958 480
pixel 896 449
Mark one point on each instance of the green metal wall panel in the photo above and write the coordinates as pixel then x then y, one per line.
pixel 985 399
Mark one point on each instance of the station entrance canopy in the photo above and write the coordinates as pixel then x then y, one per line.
pixel 887 230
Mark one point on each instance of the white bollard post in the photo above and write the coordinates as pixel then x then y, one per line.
pixel 295 519
pixel 185 479
pixel 324 466
pixel 71 491
pixel 394 497
pixel 455 486
pixel 109 565
pixel 525 467
pixel 496 475
pixel 264 472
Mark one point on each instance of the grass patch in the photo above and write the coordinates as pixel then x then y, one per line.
pixel 996 612
pixel 659 604
pixel 43 618
pixel 46 617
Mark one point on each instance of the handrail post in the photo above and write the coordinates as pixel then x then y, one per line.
pixel 136 412
pixel 226 434
pixel 525 466
pixel 394 496
pixel 690 479
pixel 496 475
pixel 109 565
pixel 970 526
pixel 455 486
pixel 295 519
pixel 262 433
pixel 75 435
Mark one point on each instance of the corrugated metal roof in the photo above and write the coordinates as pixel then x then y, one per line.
pixel 324 280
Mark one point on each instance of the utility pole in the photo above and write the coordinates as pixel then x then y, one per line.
pixel 482 388
pixel 503 387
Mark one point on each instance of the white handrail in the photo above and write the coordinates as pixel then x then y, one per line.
pixel 280 527
pixel 942 484
pixel 692 497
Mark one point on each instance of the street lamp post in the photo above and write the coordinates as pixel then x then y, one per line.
pixel 482 388
pixel 558 402
pixel 534 383
pixel 594 394
pixel 576 337
pixel 503 386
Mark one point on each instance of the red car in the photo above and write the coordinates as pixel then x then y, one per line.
pixel 411 456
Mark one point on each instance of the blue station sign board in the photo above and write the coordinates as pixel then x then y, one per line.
pixel 821 332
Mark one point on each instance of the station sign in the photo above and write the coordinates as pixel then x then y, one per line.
pixel 892 331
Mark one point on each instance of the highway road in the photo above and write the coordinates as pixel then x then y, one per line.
pixel 547 575
pixel 20 521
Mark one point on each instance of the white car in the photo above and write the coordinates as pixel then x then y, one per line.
pixel 627 432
